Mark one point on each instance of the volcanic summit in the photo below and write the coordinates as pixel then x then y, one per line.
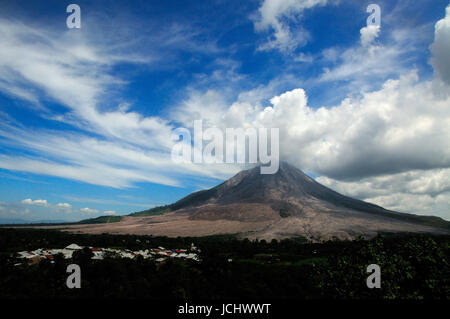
pixel 285 204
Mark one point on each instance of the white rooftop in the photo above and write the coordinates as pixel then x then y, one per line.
pixel 74 247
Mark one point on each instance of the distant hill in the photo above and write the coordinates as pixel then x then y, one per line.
pixel 9 221
pixel 153 211
pixel 6 221
pixel 97 220
pixel 100 220
pixel 189 200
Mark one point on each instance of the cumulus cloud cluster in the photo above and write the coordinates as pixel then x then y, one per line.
pixel 415 191
pixel 441 48
pixel 369 34
pixel 41 210
pixel 37 202
pixel 21 209
pixel 387 146
pixel 89 210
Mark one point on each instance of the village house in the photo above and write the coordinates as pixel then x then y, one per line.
pixel 160 254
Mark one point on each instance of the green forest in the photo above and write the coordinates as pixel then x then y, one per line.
pixel 412 267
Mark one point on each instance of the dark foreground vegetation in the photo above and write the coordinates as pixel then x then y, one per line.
pixel 413 266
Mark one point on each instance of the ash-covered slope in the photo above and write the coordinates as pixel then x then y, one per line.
pixel 282 205
pixel 291 198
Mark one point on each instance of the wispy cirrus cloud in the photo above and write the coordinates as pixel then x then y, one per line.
pixel 109 146
pixel 366 66
pixel 273 17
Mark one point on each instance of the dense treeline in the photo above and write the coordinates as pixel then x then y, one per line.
pixel 413 266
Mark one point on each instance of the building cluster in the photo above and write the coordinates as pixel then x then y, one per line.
pixel 159 254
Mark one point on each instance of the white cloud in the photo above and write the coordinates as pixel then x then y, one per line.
pixel 107 163
pixel 208 106
pixel 271 16
pixel 422 192
pixel 89 210
pixel 39 210
pixel 388 145
pixel 369 34
pixel 64 205
pixel 37 64
pixel 384 131
pixel 392 143
pixel 36 202
pixel 441 48
pixel 75 71
pixel 16 210
pixel 401 127
pixel 109 212
pixel 44 203
pixel 366 66
pixel 95 173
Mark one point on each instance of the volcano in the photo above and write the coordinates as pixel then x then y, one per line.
pixel 285 204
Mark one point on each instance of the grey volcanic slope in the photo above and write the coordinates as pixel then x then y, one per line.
pixel 290 191
pixel 281 205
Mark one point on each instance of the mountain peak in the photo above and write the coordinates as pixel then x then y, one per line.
pixel 289 192
pixel 285 204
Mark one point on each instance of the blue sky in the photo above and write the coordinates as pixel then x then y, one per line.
pixel 86 114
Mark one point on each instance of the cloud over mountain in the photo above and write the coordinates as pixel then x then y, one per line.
pixel 388 138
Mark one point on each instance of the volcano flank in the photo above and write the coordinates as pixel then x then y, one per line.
pixel 285 204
